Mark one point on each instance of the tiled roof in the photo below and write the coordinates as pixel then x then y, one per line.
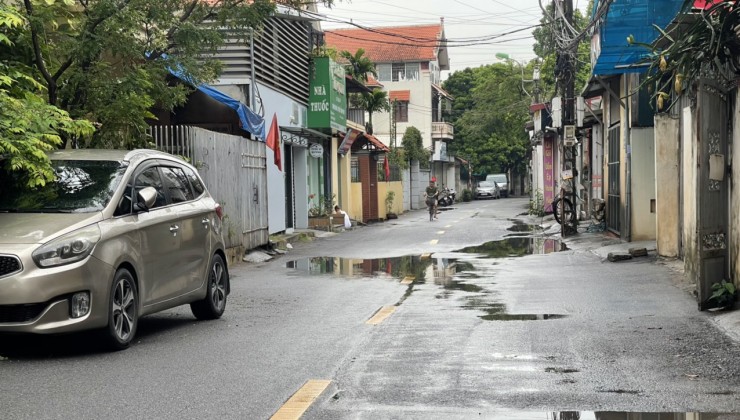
pixel 400 95
pixel 374 140
pixel 389 44
pixel 372 81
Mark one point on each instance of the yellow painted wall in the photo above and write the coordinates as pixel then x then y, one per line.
pixel 355 205
pixel 383 188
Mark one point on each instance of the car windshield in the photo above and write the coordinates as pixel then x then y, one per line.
pixel 80 186
pixel 486 185
pixel 501 179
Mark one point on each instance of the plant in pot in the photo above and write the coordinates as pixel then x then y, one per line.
pixel 723 295
pixel 389 197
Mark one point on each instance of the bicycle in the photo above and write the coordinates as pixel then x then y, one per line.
pixel 563 209
pixel 431 203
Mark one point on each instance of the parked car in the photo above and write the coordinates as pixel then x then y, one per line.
pixel 503 183
pixel 487 189
pixel 118 235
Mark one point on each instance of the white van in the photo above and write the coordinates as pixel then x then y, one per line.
pixel 503 183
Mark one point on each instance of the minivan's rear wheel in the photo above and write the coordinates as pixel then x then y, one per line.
pixel 123 310
pixel 214 304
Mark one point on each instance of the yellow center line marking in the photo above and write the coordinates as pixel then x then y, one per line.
pixel 296 405
pixel 381 315
pixel 426 256
pixel 408 280
pixel 434 241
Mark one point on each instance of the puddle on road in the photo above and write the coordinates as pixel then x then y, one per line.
pixel 398 267
pixel 516 247
pixel 457 278
pixel 521 227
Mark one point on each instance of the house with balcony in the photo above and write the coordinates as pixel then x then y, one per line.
pixel 409 61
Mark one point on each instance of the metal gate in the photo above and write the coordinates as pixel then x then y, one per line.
pixel 712 188
pixel 235 173
pixel 614 200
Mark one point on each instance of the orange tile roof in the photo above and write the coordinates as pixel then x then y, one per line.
pixel 400 95
pixel 374 140
pixel 389 44
pixel 372 81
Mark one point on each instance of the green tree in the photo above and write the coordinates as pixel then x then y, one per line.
pixel 489 128
pixel 109 61
pixel 413 147
pixel 358 65
pixel 372 102
pixel 29 126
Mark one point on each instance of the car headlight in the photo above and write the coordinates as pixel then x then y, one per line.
pixel 72 247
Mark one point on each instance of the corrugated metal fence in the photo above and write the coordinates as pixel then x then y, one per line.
pixel 235 173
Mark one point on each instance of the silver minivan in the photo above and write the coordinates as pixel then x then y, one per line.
pixel 118 235
pixel 503 183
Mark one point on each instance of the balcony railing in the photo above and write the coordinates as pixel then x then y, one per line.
pixel 443 130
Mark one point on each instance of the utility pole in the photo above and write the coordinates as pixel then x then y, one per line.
pixel 567 79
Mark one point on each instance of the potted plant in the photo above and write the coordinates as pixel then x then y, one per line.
pixel 723 295
pixel 389 197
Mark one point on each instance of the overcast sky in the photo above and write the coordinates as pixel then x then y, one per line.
pixel 468 20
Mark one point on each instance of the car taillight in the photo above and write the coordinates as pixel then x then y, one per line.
pixel 219 211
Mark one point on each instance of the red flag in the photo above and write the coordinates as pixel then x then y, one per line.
pixel 273 141
pixel 387 167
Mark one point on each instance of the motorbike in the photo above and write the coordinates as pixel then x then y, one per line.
pixel 446 197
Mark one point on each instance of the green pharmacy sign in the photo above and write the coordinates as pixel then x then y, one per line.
pixel 327 99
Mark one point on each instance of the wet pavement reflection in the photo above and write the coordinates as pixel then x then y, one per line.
pixel 459 275
pixel 516 247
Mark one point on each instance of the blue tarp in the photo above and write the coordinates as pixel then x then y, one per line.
pixel 636 18
pixel 250 121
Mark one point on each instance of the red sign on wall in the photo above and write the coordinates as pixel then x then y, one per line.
pixel 548 146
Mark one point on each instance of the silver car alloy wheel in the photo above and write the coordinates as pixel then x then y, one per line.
pixel 217 282
pixel 124 309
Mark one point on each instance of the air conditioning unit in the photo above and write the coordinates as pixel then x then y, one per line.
pixel 569 135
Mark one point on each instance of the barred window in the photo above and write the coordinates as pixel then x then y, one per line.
pixel 355 169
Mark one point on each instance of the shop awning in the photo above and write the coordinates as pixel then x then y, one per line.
pixel 611 52
pixel 301 136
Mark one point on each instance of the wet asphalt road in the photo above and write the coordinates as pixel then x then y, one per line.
pixel 487 333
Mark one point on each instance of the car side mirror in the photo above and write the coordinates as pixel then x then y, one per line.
pixel 145 198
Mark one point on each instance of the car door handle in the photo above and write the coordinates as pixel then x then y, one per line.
pixel 174 229
pixel 206 222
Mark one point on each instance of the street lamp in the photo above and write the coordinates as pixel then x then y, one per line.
pixel 535 75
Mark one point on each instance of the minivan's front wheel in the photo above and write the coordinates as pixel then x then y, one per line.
pixel 123 310
pixel 214 304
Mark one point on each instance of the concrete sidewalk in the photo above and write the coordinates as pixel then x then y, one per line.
pixel 603 243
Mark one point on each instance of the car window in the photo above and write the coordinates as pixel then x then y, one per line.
pixel 124 205
pixel 195 181
pixel 79 186
pixel 177 184
pixel 150 178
